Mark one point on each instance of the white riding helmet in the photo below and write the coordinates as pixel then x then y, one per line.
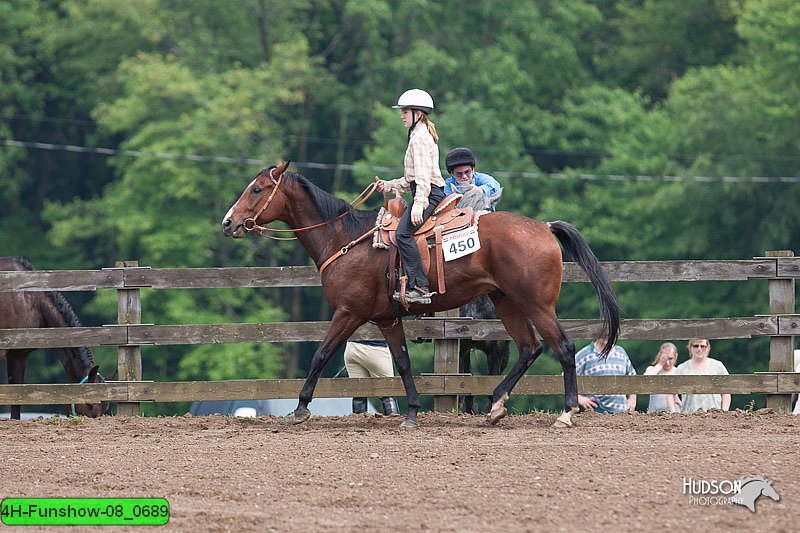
pixel 415 99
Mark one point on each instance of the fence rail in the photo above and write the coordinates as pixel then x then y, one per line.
pixel 779 268
pixel 306 276
pixel 436 328
pixel 436 385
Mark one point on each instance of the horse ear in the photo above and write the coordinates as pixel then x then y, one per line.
pixel 112 376
pixel 93 373
pixel 280 169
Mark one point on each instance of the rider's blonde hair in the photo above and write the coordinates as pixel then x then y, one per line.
pixel 429 124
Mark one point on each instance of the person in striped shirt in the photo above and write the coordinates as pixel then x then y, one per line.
pixel 590 361
pixel 423 178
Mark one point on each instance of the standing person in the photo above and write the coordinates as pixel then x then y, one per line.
pixel 370 359
pixel 700 364
pixel 460 163
pixel 590 361
pixel 664 365
pixel 423 179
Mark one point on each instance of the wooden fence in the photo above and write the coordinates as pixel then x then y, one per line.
pixel 129 335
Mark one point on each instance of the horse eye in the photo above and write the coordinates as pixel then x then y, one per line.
pixel 257 190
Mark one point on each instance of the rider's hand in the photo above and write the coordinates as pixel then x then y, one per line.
pixel 416 214
pixel 383 185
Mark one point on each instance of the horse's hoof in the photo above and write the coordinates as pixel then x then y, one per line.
pixel 300 416
pixel 409 424
pixel 565 420
pixel 496 415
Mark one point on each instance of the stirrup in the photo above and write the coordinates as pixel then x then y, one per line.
pixel 411 298
pixel 423 293
pixel 415 296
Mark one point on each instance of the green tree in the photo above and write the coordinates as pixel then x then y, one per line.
pixel 650 44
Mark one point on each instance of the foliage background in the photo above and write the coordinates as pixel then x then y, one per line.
pixel 568 102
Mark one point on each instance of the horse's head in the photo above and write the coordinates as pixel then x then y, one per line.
pixel 260 203
pixel 769 491
pixel 93 410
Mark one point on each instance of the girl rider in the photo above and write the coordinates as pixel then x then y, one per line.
pixel 424 180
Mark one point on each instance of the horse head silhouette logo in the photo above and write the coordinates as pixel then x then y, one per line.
pixel 752 488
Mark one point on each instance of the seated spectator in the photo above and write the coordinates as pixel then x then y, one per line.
pixel 700 364
pixel 591 362
pixel 664 365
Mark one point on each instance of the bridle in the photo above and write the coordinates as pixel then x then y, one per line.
pixel 251 225
pixel 259 230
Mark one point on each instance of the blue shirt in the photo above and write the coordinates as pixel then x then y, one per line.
pixel 485 182
pixel 590 362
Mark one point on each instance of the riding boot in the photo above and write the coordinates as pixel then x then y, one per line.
pixel 359 405
pixel 390 406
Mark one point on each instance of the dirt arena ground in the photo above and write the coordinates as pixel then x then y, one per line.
pixel 362 473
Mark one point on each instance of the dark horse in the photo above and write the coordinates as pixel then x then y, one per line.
pixel 45 310
pixel 518 265
pixel 496 351
pixel 481 308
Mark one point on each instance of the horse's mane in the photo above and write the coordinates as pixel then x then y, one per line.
pixel 745 480
pixel 330 207
pixel 65 309
pixel 20 262
pixel 83 354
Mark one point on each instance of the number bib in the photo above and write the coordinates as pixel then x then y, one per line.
pixel 460 243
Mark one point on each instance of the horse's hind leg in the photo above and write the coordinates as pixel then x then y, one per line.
pixel 521 330
pixel 496 357
pixel 551 331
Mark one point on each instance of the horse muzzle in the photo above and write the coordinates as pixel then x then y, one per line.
pixel 236 231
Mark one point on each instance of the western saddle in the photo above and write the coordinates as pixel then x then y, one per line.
pixel 446 218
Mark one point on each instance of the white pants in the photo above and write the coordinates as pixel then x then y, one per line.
pixel 365 361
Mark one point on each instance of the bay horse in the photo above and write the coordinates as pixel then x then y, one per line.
pixel 29 309
pixel 519 265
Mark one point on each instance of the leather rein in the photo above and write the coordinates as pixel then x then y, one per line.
pixel 251 225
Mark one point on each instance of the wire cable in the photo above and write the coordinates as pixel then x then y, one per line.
pixel 375 168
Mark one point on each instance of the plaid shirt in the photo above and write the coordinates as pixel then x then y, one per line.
pixel 590 362
pixel 421 165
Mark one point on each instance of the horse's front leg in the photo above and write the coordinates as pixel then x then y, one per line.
pixel 16 362
pixel 343 325
pixel 395 337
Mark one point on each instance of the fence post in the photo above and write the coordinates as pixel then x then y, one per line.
pixel 445 361
pixel 781 348
pixel 129 358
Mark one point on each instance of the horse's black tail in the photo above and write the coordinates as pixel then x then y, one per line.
pixel 577 250
pixel 83 353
